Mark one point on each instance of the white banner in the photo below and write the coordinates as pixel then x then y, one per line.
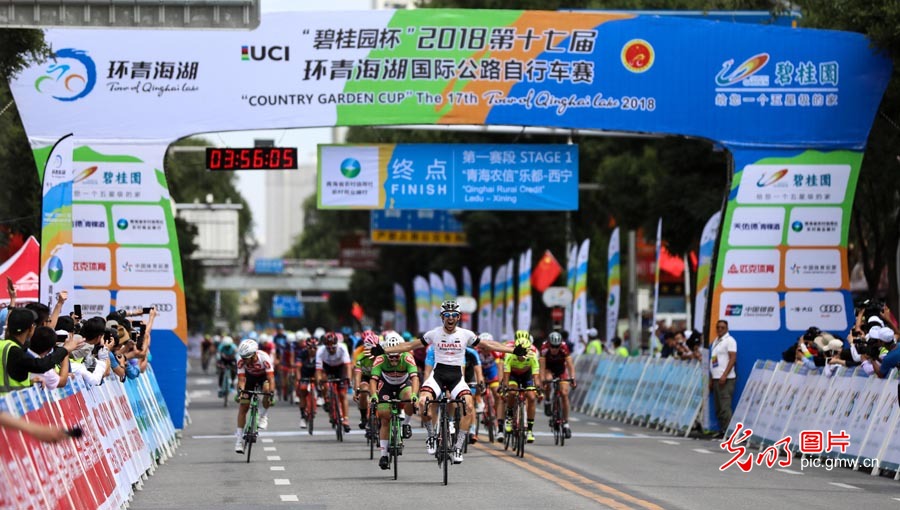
pixel 56 225
pixel 613 285
pixel 655 343
pixel 509 324
pixel 707 245
pixel 437 296
pixel 467 290
pixel 524 319
pixel 450 289
pixel 578 334
pixel 422 293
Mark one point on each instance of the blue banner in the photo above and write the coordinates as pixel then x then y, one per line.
pixel 463 176
pixel 286 306
pixel 423 227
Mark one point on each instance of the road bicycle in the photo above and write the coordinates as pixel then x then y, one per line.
pixel 309 404
pixel 556 411
pixel 395 430
pixel 446 440
pixel 288 382
pixel 227 383
pixel 335 410
pixel 372 429
pixel 516 438
pixel 251 426
pixel 488 417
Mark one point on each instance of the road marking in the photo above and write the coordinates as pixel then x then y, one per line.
pixel 273 457
pixel 666 441
pixel 276 468
pixel 898 499
pixel 282 481
pixel 592 423
pixel 790 471
pixel 285 498
pixel 270 449
pixel 616 429
pixel 267 440
pixel 574 419
pixel 843 485
pixel 702 450
pixel 204 381
pixel 199 394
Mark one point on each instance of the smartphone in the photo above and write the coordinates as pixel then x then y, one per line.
pixel 78 311
pixel 146 310
pixel 10 287
pixel 75 432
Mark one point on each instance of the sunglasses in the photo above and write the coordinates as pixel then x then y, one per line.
pixel 452 315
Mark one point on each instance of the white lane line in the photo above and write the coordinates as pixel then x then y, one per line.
pixel 199 394
pixel 666 441
pixel 592 424
pixel 282 481
pixel 273 457
pixel 702 450
pixel 843 485
pixel 898 499
pixel 574 419
pixel 204 381
pixel 285 498
pixel 276 468
pixel 267 440
pixel 790 471
pixel 616 429
pixel 269 449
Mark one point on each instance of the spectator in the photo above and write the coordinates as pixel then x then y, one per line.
pixel 670 345
pixel 891 360
pixel 594 346
pixel 35 430
pixel 42 344
pixel 722 357
pixel 694 342
pixel 14 372
pixel 618 349
pixel 95 365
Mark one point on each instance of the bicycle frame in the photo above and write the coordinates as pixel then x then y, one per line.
pixel 516 437
pixel 395 434
pixel 251 426
pixel 443 450
pixel 332 389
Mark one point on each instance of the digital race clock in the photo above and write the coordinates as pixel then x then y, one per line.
pixel 254 158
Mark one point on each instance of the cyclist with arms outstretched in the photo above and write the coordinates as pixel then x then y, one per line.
pixel 450 344
pixel 556 363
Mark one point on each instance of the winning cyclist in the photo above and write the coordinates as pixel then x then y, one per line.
pixel 305 365
pixel 394 376
pixel 556 363
pixel 226 359
pixel 521 371
pixel 333 361
pixel 362 371
pixel 450 344
pixel 255 372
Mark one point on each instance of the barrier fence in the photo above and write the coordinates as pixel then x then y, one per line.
pixel 127 432
pixel 782 400
pixel 662 393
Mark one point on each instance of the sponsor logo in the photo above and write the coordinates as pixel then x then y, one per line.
pixel 89 266
pixel 122 224
pixel 55 269
pixel 772 179
pixel 350 168
pixel 70 77
pixel 751 269
pixel 612 299
pixel 797 226
pixel 163 307
pixel 277 53
pixel 29 282
pixel 831 308
pixel 638 56
pixel 84 174
pixel 747 69
pixel 734 310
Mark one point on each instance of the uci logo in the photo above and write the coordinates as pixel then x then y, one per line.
pixel 831 308
pixel 277 53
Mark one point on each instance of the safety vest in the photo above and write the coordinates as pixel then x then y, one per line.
pixel 8 384
pixel 594 347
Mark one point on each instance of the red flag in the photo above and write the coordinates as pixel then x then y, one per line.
pixel 546 272
pixel 357 311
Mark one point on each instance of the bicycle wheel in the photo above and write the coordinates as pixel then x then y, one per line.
pixel 520 450
pixel 372 433
pixel 559 421
pixel 396 442
pixel 249 437
pixel 445 444
pixel 338 419
pixel 310 411
pixel 226 387
pixel 488 415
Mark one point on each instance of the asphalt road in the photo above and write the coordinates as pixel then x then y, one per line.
pixel 606 464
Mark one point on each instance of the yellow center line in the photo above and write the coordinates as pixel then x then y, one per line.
pixel 555 479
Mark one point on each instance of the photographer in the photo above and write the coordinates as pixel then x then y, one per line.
pixel 95 365
pixel 14 372
pixel 874 310
pixel 122 353
pixel 42 344
pixel 892 359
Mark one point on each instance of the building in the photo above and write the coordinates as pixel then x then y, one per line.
pixel 285 193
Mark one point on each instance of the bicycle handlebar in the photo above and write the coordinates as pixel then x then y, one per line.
pixel 254 392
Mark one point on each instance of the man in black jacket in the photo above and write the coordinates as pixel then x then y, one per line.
pixel 15 364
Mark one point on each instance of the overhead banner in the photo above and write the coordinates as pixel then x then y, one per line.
pixel 485 303
pixel 399 308
pixel 524 318
pixel 455 176
pixel 613 285
pixel 707 245
pixel 56 222
pixel 422 294
pixel 425 227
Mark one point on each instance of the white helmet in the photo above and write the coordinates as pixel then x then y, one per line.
pixel 303 335
pixel 291 337
pixel 247 348
pixel 391 338
pixel 227 340
pixel 319 333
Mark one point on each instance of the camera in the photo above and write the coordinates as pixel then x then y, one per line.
pixel 872 307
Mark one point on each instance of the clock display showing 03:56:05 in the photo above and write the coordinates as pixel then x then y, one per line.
pixel 253 158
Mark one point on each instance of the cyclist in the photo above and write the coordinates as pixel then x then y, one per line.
pixel 226 357
pixel 449 344
pixel 557 363
pixel 333 361
pixel 305 365
pixel 394 376
pixel 491 367
pixel 521 371
pixel 255 372
pixel 362 371
pixel 474 377
pixel 284 356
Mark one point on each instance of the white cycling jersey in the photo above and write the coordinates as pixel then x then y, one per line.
pixel 450 348
pixel 340 356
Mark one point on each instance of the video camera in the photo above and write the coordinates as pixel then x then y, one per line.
pixel 872 307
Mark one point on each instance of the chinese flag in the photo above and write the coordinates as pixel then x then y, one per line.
pixel 546 272
pixel 357 311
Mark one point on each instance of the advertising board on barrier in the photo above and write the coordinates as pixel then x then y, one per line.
pixel 464 176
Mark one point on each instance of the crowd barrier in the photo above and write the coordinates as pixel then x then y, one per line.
pixel 127 432
pixel 783 400
pixel 663 393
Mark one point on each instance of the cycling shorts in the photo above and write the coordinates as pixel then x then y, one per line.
pixel 388 391
pixel 253 383
pixel 446 376
pixel 492 374
pixel 525 380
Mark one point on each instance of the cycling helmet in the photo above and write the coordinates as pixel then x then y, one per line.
pixel 303 335
pixel 247 348
pixel 450 306
pixel 312 343
pixel 555 339
pixel 392 339
pixel 330 339
pixel 291 337
pixel 407 336
pixel 486 336
pixel 227 340
pixel 523 339
pixel 369 338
